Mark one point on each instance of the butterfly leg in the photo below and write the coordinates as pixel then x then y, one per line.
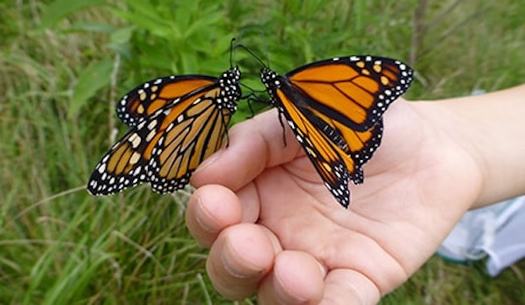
pixel 252 90
pixel 225 124
pixel 253 98
pixel 252 113
pixel 281 117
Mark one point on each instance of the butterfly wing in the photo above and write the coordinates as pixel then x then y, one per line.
pixel 155 94
pixel 124 165
pixel 359 145
pixel 334 108
pixel 355 90
pixel 187 141
pixel 183 124
pixel 331 161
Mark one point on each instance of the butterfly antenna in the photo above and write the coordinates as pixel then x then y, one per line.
pixel 252 53
pixel 232 42
pixel 266 44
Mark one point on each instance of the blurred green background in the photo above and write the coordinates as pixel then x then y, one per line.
pixel 64 64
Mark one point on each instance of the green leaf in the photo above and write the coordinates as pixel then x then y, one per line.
pixel 121 36
pixel 62 8
pixel 90 27
pixel 92 79
pixel 204 24
pixel 142 15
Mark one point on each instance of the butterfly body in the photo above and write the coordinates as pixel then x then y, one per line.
pixel 334 108
pixel 175 123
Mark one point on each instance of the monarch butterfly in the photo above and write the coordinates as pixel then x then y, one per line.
pixel 334 108
pixel 176 122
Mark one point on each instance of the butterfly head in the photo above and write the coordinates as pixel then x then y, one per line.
pixel 230 89
pixel 231 77
pixel 270 79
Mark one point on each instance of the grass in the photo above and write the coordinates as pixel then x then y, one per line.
pixel 63 65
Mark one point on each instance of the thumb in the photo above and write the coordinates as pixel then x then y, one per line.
pixel 255 145
pixel 346 286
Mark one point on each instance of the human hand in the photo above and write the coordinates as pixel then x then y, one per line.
pixel 276 231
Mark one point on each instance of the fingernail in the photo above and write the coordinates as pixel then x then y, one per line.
pixel 200 215
pixel 241 264
pixel 230 267
pixel 284 295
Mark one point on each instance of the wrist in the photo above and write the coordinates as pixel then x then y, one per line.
pixel 452 132
pixel 489 129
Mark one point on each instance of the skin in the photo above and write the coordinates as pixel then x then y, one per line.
pixel 275 231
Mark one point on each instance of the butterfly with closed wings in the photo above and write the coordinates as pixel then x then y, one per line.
pixel 176 122
pixel 334 108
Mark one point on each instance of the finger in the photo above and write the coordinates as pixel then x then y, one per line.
pixel 297 278
pixel 250 202
pixel 346 286
pixel 355 251
pixel 254 145
pixel 242 255
pixel 211 209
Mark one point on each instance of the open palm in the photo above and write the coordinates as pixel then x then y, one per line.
pixel 276 231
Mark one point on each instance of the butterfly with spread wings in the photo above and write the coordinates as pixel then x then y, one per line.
pixel 176 122
pixel 334 108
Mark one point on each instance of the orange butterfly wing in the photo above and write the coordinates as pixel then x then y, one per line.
pixel 127 163
pixel 155 94
pixel 183 123
pixel 124 165
pixel 334 108
pixel 187 142
pixel 359 145
pixel 332 163
pixel 355 91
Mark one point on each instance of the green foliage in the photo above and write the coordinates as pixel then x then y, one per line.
pixel 93 78
pixel 59 9
pixel 64 64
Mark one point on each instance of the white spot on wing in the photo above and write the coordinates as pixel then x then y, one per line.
pixel 135 140
pixel 134 158
pixel 150 135
pixel 152 124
